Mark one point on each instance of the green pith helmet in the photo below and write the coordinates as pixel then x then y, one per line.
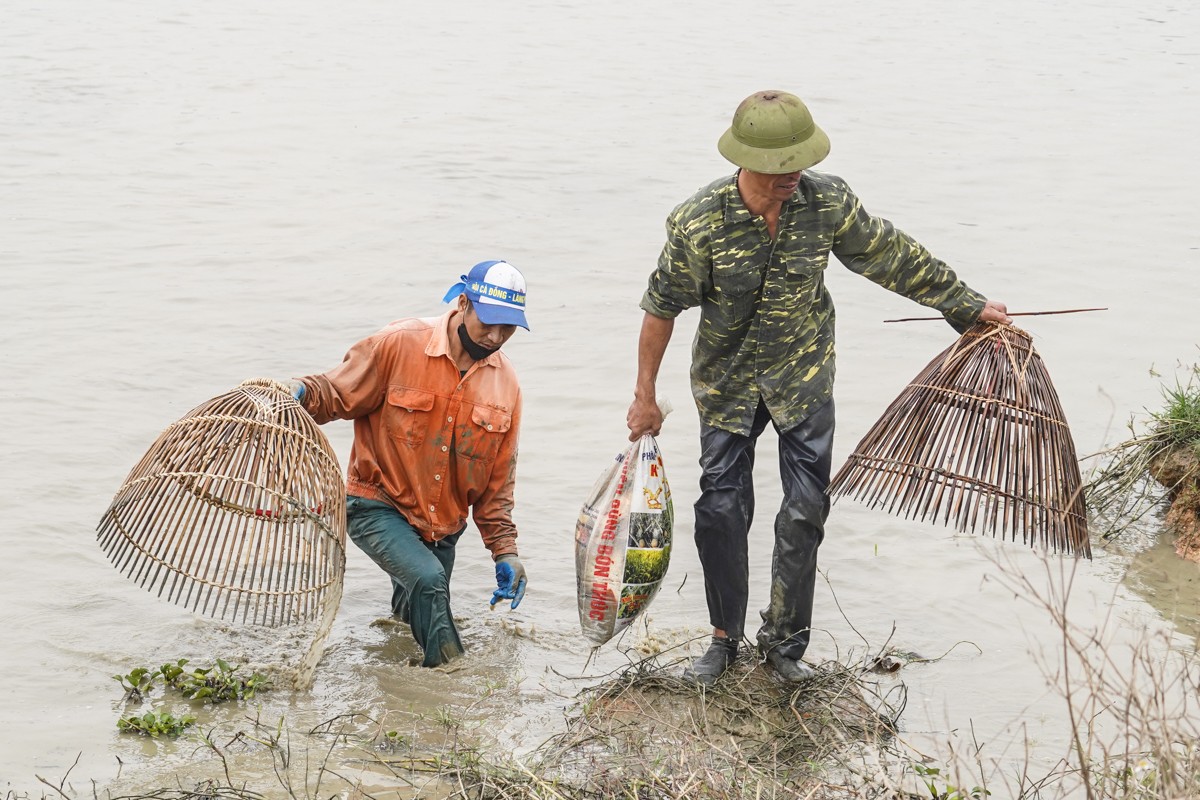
pixel 773 133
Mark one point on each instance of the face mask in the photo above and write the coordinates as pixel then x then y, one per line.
pixel 476 351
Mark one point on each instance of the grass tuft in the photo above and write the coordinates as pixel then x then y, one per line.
pixel 1155 464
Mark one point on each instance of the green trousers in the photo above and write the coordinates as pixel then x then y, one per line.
pixel 420 573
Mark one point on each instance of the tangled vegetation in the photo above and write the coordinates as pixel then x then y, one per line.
pixel 1161 462
pixel 645 732
pixel 642 733
pixel 1133 708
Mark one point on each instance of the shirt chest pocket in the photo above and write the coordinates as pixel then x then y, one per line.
pixel 736 273
pixel 804 265
pixel 408 414
pixel 737 276
pixel 804 276
pixel 479 438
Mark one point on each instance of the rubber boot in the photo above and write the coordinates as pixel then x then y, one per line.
pixel 707 668
pixel 790 669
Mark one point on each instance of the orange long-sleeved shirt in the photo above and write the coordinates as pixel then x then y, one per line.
pixel 428 441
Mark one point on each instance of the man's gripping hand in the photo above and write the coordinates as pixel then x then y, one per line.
pixel 645 416
pixel 995 311
pixel 297 390
pixel 510 581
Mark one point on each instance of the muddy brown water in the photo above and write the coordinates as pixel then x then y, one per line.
pixel 195 195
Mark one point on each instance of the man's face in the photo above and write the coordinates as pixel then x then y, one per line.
pixel 777 187
pixel 489 336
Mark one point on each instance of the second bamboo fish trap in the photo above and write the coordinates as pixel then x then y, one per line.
pixel 978 441
pixel 237 511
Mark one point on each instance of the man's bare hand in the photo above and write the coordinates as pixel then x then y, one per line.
pixel 994 311
pixel 644 417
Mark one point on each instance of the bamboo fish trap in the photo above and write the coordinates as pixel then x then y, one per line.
pixel 979 441
pixel 237 511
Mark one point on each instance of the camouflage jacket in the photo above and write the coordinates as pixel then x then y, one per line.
pixel 766 318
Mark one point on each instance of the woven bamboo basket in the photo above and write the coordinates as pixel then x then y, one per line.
pixel 237 511
pixel 978 441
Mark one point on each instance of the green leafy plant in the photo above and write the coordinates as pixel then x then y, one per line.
pixel 170 672
pixel 137 683
pixel 1178 424
pixel 215 684
pixel 155 724
pixel 940 789
pixel 393 741
pixel 444 716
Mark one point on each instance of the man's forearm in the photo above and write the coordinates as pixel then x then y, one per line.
pixel 652 344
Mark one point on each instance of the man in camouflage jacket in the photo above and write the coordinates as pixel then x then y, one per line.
pixel 751 249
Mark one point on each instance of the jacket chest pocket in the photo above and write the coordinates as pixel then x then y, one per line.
pixel 407 414
pixel 479 438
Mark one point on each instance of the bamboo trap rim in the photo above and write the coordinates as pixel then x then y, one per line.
pixel 965 482
pixel 301 512
pixel 188 423
pixel 1022 413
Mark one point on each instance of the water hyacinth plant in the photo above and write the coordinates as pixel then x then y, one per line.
pixel 216 684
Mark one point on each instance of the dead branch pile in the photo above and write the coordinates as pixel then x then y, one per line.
pixel 646 733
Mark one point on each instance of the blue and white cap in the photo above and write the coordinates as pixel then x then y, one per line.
pixel 497 291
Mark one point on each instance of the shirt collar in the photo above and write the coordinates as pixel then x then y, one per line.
pixel 735 207
pixel 439 342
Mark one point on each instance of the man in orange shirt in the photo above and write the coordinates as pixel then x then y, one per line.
pixel 436 409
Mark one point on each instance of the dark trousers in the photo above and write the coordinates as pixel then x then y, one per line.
pixel 420 573
pixel 725 511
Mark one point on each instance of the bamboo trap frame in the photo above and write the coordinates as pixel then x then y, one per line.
pixel 238 510
pixel 978 441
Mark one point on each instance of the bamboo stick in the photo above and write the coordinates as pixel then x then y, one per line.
pixel 1010 313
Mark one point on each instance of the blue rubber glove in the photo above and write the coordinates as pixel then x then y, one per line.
pixel 510 580
pixel 297 391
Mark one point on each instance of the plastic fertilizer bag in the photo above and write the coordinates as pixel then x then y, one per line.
pixel 623 541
